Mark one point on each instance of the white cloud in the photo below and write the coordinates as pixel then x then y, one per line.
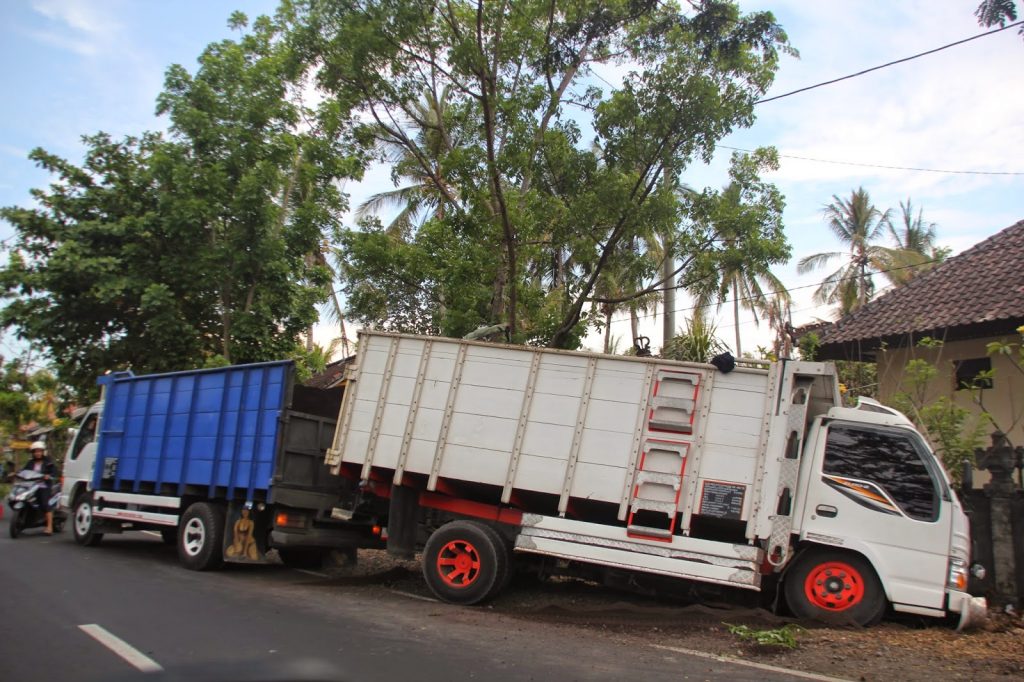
pixel 11 150
pixel 86 48
pixel 81 27
pixel 80 16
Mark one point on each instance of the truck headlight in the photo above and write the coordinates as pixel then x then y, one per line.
pixel 958 574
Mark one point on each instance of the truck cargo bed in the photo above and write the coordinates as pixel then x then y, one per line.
pixel 220 433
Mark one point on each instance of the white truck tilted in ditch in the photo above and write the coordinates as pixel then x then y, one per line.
pixel 490 458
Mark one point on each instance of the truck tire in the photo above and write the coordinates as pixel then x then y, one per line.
pixel 465 562
pixel 201 537
pixel 83 523
pixel 838 588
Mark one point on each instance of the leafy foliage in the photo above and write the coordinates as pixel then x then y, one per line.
pixel 161 254
pixel 783 637
pixel 747 221
pixel 857 224
pixel 532 214
pixel 915 249
pixel 952 430
pixel 1014 353
pixel 992 12
pixel 699 343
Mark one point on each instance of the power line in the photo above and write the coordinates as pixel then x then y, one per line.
pixel 882 66
pixel 876 165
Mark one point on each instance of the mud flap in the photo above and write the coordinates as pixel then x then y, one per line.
pixel 245 533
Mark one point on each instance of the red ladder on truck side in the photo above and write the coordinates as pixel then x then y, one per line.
pixel 658 481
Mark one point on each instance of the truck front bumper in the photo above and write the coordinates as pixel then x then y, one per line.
pixel 973 610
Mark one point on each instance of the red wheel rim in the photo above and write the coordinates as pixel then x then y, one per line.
pixel 458 564
pixel 834 586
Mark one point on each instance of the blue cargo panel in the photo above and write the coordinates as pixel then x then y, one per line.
pixel 216 428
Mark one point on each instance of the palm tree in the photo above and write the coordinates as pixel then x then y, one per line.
pixel 620 282
pixel 857 223
pixel 915 249
pixel 415 161
pixel 748 284
pixel 776 311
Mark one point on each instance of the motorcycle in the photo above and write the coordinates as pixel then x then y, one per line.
pixel 24 503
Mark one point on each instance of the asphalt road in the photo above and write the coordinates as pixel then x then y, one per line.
pixel 249 623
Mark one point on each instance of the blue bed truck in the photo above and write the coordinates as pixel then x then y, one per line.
pixel 226 463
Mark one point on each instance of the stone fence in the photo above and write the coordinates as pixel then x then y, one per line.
pixel 997 524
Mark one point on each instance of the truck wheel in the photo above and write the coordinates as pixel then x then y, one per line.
pixel 465 562
pixel 835 588
pixel 83 523
pixel 201 537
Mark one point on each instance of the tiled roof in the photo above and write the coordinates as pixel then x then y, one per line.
pixel 983 284
pixel 332 375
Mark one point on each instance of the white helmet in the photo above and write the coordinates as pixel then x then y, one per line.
pixel 38 445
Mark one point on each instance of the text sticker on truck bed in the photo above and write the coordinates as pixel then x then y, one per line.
pixel 722 500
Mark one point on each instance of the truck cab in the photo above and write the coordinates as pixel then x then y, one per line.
pixel 873 488
pixel 80 456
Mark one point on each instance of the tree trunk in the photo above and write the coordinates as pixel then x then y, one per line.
pixel 736 316
pixel 667 267
pixel 608 329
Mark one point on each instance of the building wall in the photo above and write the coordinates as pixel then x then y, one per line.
pixel 1004 401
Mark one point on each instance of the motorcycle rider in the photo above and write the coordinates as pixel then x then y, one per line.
pixel 44 465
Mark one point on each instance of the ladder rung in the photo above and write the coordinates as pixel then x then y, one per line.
pixel 654 505
pixel 684 404
pixel 649 531
pixel 658 477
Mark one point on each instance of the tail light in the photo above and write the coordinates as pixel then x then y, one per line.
pixel 290 519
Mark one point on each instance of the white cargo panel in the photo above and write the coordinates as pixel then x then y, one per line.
pixel 643 434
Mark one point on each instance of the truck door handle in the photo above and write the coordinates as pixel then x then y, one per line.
pixel 826 510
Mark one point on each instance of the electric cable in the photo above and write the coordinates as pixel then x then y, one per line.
pixel 887 64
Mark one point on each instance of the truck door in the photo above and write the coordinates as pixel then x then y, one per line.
pixel 80 457
pixel 878 490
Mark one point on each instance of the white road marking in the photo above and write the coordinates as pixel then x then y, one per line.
pixel 410 595
pixel 308 572
pixel 750 664
pixel 122 648
pixel 153 532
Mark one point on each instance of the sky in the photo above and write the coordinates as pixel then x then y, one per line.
pixel 74 67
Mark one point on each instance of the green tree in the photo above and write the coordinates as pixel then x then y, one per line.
pixel 915 250
pixel 857 223
pixel 698 343
pixel 993 12
pixel 160 254
pixel 545 211
pixel 416 194
pixel 746 218
pixel 262 191
pixel 98 274
pixel 952 431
